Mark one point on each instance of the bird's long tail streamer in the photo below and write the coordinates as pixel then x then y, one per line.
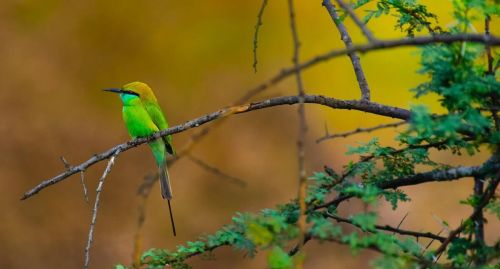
pixel 171 217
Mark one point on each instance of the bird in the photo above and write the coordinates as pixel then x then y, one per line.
pixel 143 117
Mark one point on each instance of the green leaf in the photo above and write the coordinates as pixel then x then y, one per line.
pixel 279 259
pixel 366 221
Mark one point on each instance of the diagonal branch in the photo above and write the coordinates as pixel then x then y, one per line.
pixel 371 107
pixel 344 35
pixel 216 171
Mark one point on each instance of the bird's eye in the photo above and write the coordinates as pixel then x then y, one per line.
pixel 131 93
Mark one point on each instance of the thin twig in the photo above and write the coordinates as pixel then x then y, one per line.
pixel 65 163
pixel 368 34
pixel 371 107
pixel 216 171
pixel 402 220
pixel 111 162
pixel 344 35
pixel 359 130
pixel 301 196
pixel 432 241
pixel 256 33
pixel 390 229
pixel 84 186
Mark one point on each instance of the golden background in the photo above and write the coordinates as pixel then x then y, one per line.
pixel 58 55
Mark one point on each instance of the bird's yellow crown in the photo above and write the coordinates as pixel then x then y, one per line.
pixel 141 88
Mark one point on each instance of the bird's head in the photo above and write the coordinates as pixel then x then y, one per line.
pixel 134 92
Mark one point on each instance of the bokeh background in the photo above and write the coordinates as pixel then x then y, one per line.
pixel 57 55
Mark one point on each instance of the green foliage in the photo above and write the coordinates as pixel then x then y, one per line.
pixel 366 221
pixel 466 89
pixel 324 229
pixel 279 259
pixel 494 208
pixel 412 16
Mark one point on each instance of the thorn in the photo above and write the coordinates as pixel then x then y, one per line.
pixel 66 164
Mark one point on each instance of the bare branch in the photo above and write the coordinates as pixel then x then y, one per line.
pixel 301 195
pixel 391 229
pixel 256 34
pixel 359 130
pixel 344 35
pixel 217 172
pixel 111 162
pixel 368 34
pixel 371 107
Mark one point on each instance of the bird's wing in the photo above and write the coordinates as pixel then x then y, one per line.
pixel 159 120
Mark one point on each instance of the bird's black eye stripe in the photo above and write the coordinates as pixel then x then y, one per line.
pixel 130 92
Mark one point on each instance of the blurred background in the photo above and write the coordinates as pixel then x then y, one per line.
pixel 58 55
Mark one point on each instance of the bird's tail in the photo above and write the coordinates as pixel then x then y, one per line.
pixel 166 192
pixel 166 189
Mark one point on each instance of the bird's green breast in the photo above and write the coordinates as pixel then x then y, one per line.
pixel 138 121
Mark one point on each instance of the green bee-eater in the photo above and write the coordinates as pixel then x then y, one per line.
pixel 143 117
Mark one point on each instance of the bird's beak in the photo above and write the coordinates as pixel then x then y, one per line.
pixel 115 90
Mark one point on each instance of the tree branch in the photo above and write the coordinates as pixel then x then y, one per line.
pixel 391 229
pixel 360 130
pixel 301 194
pixel 344 35
pixel 378 45
pixel 216 171
pixel 256 33
pixel 490 192
pixel 370 107
pixel 432 176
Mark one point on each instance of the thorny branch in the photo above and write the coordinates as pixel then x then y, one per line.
pixel 371 107
pixel 301 196
pixel 432 176
pixel 391 229
pixel 360 130
pixel 344 35
pixel 256 34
